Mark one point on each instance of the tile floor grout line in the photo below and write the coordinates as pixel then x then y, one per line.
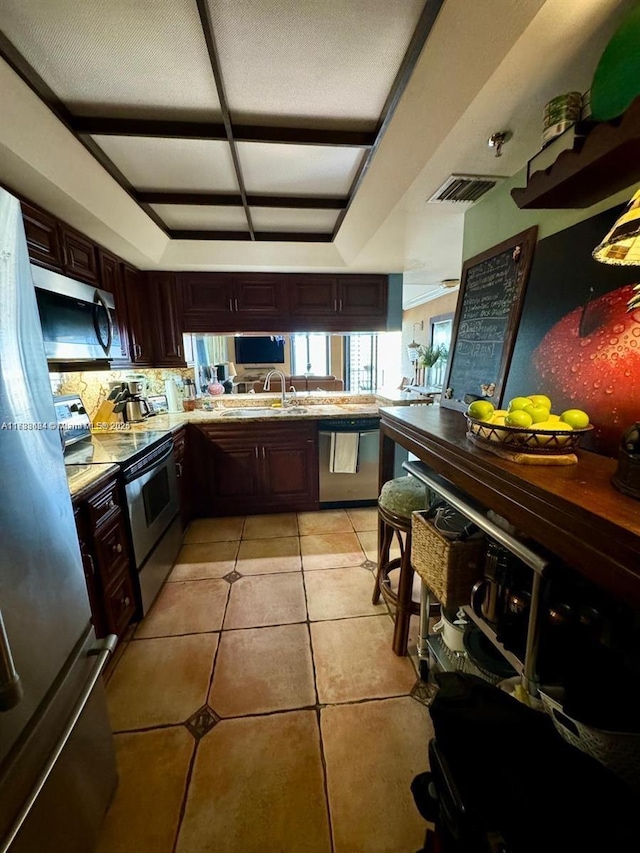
pixel 185 795
pixel 323 761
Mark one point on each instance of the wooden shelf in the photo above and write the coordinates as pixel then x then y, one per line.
pixel 600 164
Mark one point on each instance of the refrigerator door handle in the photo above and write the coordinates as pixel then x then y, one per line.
pixel 101 650
pixel 10 686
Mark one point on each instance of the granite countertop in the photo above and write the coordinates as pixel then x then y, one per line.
pixel 82 477
pixel 307 406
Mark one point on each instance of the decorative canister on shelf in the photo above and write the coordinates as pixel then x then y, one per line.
pixel 559 114
pixel 627 475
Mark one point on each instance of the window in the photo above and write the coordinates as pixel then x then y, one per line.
pixel 310 354
pixel 372 361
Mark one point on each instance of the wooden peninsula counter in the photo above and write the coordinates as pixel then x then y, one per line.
pixel 572 511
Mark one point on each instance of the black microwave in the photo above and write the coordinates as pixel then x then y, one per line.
pixel 78 320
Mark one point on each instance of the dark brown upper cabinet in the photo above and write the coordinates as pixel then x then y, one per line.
pixel 111 279
pixel 43 237
pixel 141 316
pixel 167 329
pixel 228 302
pixel 346 303
pixel 80 255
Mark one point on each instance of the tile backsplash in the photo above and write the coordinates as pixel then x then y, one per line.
pixel 93 386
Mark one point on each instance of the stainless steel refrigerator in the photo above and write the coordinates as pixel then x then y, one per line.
pixel 57 763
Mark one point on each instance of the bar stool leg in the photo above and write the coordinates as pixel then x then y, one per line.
pixel 403 610
pixel 383 559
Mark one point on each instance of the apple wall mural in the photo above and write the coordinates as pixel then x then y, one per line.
pixel 579 337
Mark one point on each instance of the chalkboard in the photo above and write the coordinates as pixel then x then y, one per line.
pixel 492 288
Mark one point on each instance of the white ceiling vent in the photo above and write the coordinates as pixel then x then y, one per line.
pixel 464 188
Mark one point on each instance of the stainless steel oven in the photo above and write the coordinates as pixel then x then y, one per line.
pixel 153 504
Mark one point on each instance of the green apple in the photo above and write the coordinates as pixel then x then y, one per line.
pixel 518 418
pixel 576 418
pixel 481 410
pixel 540 400
pixel 519 403
pixel 538 413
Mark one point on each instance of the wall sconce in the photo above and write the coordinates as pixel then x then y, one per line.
pixel 621 246
pixel 412 348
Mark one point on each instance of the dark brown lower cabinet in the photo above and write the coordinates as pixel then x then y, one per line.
pixel 106 558
pixel 182 455
pixel 257 467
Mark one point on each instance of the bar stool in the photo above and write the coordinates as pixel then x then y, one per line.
pixel 398 499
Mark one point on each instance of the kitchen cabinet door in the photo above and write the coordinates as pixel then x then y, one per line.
pixel 313 296
pixel 43 237
pixel 260 467
pixel 259 295
pixel 362 296
pixel 167 328
pixel 140 316
pixel 290 472
pixel 111 280
pixel 207 302
pixel 80 256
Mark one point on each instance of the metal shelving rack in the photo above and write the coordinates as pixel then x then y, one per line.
pixel 536 562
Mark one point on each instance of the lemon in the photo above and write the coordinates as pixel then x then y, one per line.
pixel 576 418
pixel 540 400
pixel 518 418
pixel 502 413
pixel 519 403
pixel 498 420
pixel 538 413
pixel 554 418
pixel 481 410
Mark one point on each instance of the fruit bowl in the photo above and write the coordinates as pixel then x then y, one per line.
pixel 545 442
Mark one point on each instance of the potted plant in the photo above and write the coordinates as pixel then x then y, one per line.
pixel 427 357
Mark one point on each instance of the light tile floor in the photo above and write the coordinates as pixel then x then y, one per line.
pixel 259 706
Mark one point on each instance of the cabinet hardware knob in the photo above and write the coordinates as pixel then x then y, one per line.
pixel 92 565
pixel 119 548
pixel 137 350
pixel 335 305
pixel 179 469
pixel 179 348
pixel 111 504
pixel 230 304
pixel 127 601
pixel 235 301
pixel 264 453
pixel 340 305
pixel 257 452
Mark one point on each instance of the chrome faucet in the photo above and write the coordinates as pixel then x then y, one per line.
pixel 283 383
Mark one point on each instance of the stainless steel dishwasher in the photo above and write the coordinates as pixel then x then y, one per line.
pixel 356 489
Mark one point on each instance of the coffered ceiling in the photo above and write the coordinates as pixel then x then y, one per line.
pixel 225 119
pixel 486 65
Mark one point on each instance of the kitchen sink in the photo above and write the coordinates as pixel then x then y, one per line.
pixel 260 412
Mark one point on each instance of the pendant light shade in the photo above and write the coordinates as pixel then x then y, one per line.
pixel 621 246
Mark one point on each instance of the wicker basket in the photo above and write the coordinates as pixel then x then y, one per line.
pixel 448 568
pixel 545 442
pixel 619 751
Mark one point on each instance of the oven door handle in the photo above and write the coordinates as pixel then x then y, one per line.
pixel 129 477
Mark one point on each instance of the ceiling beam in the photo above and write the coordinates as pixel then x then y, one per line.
pixel 418 40
pixel 235 200
pixel 169 129
pixel 272 236
pixel 207 29
pixel 16 60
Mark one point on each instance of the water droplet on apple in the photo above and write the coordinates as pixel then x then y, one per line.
pixel 585 342
pixel 618 329
pixel 608 389
pixel 616 420
pixel 575 368
pixel 627 373
pixel 592 356
pixel 553 370
pixel 614 355
pixel 613 341
pixel 597 383
pixel 634 343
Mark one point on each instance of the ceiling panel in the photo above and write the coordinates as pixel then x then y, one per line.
pixel 319 59
pixel 306 170
pixel 124 58
pixel 172 164
pixel 191 217
pixel 288 219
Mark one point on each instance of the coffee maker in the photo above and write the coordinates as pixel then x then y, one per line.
pixel 136 405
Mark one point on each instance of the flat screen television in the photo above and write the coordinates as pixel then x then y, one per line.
pixel 259 351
